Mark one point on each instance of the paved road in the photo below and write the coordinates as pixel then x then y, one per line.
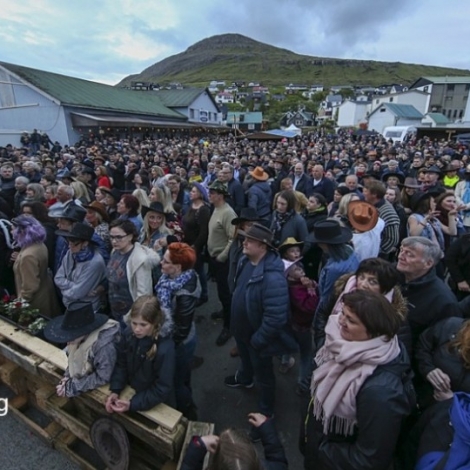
pixel 21 450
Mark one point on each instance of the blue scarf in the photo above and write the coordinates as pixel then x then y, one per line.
pixel 85 254
pixel 166 287
pixel 458 456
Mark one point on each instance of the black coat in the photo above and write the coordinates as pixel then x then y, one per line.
pixel 295 227
pixel 152 379
pixel 458 259
pixel 237 195
pixel 304 183
pixel 429 301
pixel 432 351
pixel 325 187
pixel 382 403
pixel 275 458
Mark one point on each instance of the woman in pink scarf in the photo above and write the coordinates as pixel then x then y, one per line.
pixel 361 388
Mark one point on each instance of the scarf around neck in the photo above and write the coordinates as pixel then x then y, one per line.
pixel 343 367
pixel 85 254
pixel 166 287
pixel 279 221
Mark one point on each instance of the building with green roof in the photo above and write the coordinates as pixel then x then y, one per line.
pixel 67 107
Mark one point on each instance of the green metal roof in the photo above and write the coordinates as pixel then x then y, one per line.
pixel 179 98
pixel 450 80
pixel 253 117
pixel 402 110
pixel 83 93
pixel 438 118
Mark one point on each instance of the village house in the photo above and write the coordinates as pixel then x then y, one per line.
pixel 390 114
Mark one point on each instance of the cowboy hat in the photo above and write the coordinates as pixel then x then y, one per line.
pixel 362 216
pixel 114 192
pixel 99 208
pixel 417 198
pixel 330 232
pixel 259 174
pixel 288 264
pixel 433 169
pixel 289 242
pixel 80 231
pixel 111 442
pixel 154 207
pixel 411 183
pixel 71 211
pixel 400 176
pixel 260 233
pixel 78 320
pixel 247 214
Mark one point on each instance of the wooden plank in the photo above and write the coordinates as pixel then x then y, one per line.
pixel 64 442
pixel 161 414
pixel 34 345
pixel 195 428
pixel 50 372
pixel 28 362
pixel 60 409
pixel 12 375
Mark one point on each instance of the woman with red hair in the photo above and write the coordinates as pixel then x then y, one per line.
pixel 178 291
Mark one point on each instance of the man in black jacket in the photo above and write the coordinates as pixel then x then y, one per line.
pixel 429 298
pixel 320 184
pixel 237 194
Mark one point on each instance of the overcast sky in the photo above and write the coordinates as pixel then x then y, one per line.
pixel 106 40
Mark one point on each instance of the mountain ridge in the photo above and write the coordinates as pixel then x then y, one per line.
pixel 234 57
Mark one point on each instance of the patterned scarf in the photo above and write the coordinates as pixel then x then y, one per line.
pixel 343 366
pixel 85 254
pixel 166 287
pixel 279 221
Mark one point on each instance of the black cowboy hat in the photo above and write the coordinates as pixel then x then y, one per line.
pixel 72 212
pixel 80 231
pixel 114 193
pixel 330 232
pixel 400 176
pixel 259 232
pixel 78 320
pixel 154 207
pixel 417 198
pixel 433 169
pixel 247 214
pixel 111 442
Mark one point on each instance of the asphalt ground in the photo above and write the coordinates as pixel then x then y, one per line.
pixel 225 407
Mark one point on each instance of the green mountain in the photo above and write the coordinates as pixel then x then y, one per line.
pixel 233 57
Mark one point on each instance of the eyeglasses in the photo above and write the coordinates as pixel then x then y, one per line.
pixel 118 237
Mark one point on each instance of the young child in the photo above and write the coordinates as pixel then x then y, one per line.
pixel 233 449
pixel 145 360
pixel 303 302
pixel 91 340
pixel 290 250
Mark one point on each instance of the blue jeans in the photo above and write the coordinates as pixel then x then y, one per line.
pixel 261 369
pixel 183 356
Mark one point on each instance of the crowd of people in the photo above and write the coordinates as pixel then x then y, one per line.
pixel 348 255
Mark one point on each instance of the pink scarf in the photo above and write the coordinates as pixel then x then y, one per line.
pixel 343 367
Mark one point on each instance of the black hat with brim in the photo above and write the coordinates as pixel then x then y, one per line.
pixel 417 197
pixel 78 320
pixel 400 177
pixel 330 232
pixel 247 214
pixel 114 193
pixel 79 231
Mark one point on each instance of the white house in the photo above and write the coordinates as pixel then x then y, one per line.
pixel 223 98
pixel 352 113
pixel 416 98
pixel 435 120
pixel 391 114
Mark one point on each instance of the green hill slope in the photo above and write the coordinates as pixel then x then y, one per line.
pixel 233 57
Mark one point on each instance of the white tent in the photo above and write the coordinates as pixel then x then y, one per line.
pixel 294 128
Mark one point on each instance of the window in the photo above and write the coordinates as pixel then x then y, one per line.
pixel 390 99
pixel 449 113
pixel 455 113
pixel 451 87
pixel 461 114
pixel 376 101
pixel 191 113
pixel 251 127
pixel 382 110
pixel 426 89
pixel 299 122
pixel 467 87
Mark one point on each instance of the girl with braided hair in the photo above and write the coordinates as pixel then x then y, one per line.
pixel 145 360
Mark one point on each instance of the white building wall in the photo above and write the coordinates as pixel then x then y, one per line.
pixel 419 100
pixel 204 110
pixel 378 121
pixel 351 114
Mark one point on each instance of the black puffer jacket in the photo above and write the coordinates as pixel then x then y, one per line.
pixel 383 402
pixel 432 351
pixel 152 379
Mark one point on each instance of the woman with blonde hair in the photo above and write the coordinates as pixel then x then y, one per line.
pixel 141 195
pixel 162 194
pixel 157 175
pixel 35 192
pixel 80 192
